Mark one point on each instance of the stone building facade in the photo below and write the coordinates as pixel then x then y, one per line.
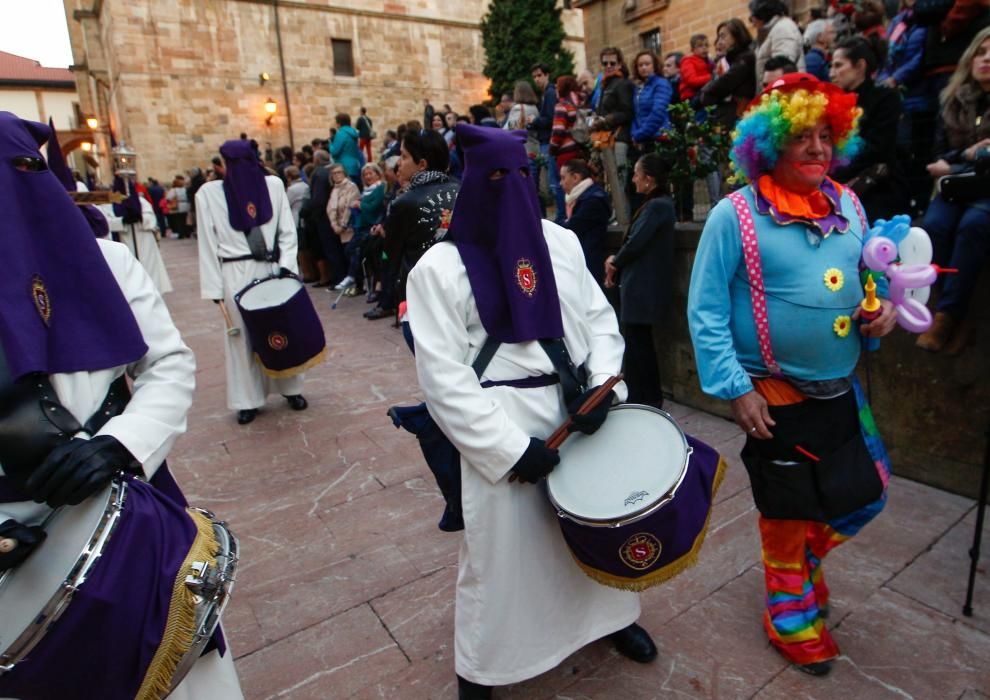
pixel 662 25
pixel 175 78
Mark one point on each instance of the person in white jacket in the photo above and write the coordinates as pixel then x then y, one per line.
pixel 80 317
pixel 522 604
pixel 227 211
pixel 776 35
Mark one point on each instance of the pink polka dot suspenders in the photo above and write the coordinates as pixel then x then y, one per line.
pixel 754 270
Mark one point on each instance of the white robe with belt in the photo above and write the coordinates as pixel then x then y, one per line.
pixel 247 385
pixel 141 239
pixel 522 604
pixel 155 416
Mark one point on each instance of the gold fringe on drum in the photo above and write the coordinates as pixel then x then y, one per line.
pixel 180 628
pixel 293 371
pixel 668 571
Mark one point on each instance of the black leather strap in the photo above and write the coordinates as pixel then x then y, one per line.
pixel 488 351
pixel 573 380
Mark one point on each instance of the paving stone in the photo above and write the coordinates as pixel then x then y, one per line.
pixel 938 578
pixel 894 647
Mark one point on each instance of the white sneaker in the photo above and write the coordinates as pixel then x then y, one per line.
pixel 345 283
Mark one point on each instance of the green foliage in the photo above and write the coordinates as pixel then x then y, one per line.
pixel 692 149
pixel 518 33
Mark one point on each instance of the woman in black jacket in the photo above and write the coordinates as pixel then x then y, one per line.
pixel 873 173
pixel 731 91
pixel 643 269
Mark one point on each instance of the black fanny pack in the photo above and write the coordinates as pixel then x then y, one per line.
pixel 789 485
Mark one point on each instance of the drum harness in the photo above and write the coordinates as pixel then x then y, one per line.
pixel 259 250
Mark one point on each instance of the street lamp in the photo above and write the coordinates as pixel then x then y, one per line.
pixel 270 108
pixel 86 146
pixel 92 122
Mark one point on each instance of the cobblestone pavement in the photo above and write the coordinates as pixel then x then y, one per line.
pixel 346 585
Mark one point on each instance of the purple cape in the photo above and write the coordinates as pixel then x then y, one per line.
pixel 244 186
pixel 61 310
pixel 497 229
pixel 56 163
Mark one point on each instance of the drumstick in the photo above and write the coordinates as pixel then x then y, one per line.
pixel 7 545
pixel 558 436
pixel 231 328
pixel 334 304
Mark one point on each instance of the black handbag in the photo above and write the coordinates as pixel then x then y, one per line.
pixel 964 188
pixel 788 485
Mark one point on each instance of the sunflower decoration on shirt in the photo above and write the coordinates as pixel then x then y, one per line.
pixel 833 279
pixel 842 325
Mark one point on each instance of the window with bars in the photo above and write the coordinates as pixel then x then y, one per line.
pixel 651 41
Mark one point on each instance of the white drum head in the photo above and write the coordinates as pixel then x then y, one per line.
pixel 24 591
pixel 272 292
pixel 633 461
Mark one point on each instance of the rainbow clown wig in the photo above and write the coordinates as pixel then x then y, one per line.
pixel 792 104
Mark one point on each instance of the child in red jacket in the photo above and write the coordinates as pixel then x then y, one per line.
pixel 696 69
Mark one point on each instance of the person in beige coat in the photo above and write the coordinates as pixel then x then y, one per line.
pixel 776 35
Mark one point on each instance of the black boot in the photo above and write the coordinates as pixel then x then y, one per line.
pixel 819 668
pixel 247 415
pixel 297 402
pixel 634 643
pixel 466 690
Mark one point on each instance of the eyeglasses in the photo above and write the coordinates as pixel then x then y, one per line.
pixel 609 64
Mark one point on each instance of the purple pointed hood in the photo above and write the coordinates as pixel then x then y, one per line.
pixel 244 186
pixel 498 231
pixel 56 163
pixel 61 310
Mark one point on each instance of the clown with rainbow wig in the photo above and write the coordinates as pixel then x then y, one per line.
pixel 775 315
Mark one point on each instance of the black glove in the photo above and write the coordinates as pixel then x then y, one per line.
pixel 589 422
pixel 536 462
pixel 285 272
pixel 78 469
pixel 28 538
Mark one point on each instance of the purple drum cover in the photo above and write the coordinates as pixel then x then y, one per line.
pixel 660 546
pixel 286 339
pixel 103 643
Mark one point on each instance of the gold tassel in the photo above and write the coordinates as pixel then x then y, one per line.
pixel 293 371
pixel 664 573
pixel 181 622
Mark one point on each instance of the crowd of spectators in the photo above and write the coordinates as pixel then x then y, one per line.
pixel 922 79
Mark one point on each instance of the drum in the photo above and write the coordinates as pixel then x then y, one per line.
pixel 283 328
pixel 129 573
pixel 633 499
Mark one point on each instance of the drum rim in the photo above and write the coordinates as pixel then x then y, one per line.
pixel 260 280
pixel 647 510
pixel 58 603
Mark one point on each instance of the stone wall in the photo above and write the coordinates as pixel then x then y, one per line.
pixel 183 75
pixel 933 410
pixel 622 23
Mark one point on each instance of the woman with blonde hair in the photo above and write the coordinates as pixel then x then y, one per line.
pixel 344 197
pixel 960 228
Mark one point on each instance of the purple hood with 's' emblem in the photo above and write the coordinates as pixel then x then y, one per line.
pixel 61 310
pixel 497 229
pixel 244 186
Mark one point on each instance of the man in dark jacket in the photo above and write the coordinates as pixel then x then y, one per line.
pixel 335 267
pixel 588 213
pixel 543 126
pixel 419 217
pixel 364 129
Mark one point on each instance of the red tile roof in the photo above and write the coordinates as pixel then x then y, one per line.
pixel 26 71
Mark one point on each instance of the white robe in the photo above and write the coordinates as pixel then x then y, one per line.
pixel 247 385
pixel 522 604
pixel 164 380
pixel 146 249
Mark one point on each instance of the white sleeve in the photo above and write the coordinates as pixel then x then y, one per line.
pixel 148 219
pixel 288 240
pixel 164 379
pixel 476 424
pixel 210 277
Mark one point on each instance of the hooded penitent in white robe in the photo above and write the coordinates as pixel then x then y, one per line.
pixel 247 385
pixel 142 240
pixel 164 380
pixel 522 604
